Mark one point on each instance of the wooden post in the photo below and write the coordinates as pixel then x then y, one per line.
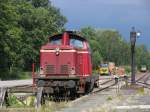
pixel 33 75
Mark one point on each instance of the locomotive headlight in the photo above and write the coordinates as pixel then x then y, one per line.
pixel 41 72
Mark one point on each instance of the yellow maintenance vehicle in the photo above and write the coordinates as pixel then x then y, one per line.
pixel 103 69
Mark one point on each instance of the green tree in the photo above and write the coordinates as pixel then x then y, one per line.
pixel 96 58
pixel 9 36
pixel 24 27
pixel 40 3
pixel 109 46
pixel 142 56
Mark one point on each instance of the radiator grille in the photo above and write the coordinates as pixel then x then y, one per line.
pixel 64 69
pixel 50 69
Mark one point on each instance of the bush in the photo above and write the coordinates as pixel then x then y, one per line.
pixel 127 69
pixel 14 102
pixel 15 73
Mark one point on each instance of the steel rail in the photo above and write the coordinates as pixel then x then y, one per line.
pixel 106 81
pixel 145 85
pixel 142 81
pixel 147 78
pixel 142 77
pixel 101 89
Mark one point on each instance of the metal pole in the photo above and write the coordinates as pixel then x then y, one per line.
pixel 133 36
pixel 133 64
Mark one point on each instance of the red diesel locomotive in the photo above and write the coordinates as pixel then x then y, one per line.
pixel 65 66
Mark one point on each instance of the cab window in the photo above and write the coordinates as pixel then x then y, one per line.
pixel 76 43
pixel 55 41
pixel 103 65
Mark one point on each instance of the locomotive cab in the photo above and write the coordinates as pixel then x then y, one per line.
pixel 65 55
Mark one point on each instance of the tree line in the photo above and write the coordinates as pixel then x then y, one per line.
pixel 109 46
pixel 26 24
pixel 24 27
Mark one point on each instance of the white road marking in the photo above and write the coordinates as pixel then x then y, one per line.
pixel 133 107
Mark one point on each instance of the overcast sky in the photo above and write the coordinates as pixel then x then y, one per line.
pixel 112 14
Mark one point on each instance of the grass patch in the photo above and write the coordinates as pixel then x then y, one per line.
pixel 15 73
pixel 17 110
pixel 53 106
pixel 14 102
pixel 141 91
pixel 17 106
pixel 22 102
pixel 26 75
pixel 109 98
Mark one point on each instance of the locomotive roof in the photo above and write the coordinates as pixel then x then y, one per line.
pixel 70 33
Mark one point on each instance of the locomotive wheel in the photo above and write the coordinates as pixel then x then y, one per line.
pixel 72 93
pixel 67 95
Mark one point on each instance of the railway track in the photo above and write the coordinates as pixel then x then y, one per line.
pixel 104 85
pixel 98 95
pixel 109 83
pixel 143 77
pixel 91 101
pixel 144 80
